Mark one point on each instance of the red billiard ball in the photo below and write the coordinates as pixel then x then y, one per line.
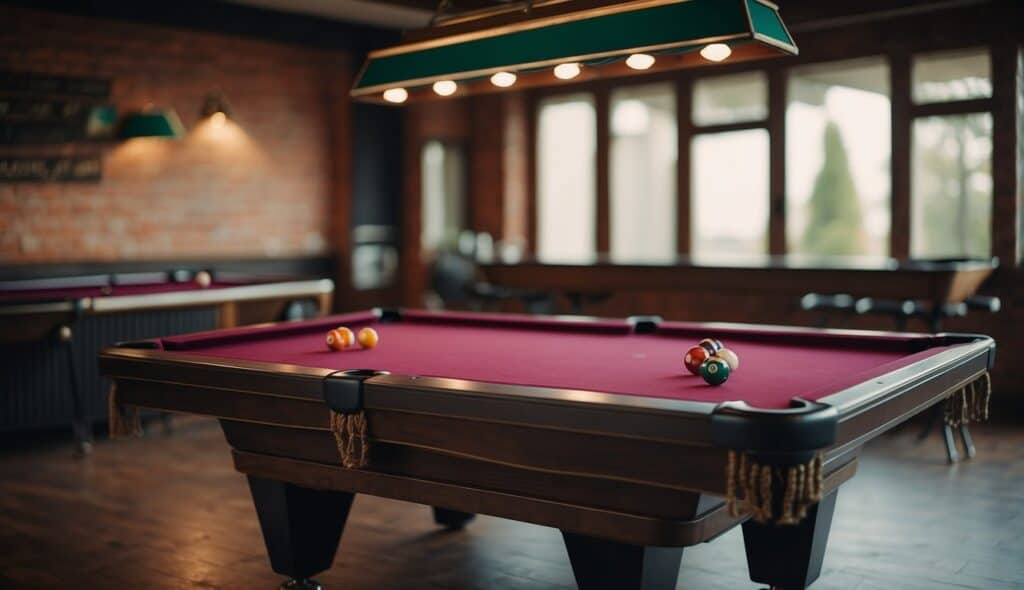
pixel 694 358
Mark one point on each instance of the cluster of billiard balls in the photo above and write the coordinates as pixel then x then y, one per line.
pixel 342 338
pixel 712 361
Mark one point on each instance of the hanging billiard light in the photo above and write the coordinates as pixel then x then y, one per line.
pixel 467 51
pixel 567 71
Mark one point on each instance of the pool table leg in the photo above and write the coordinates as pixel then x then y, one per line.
pixel 789 557
pixel 452 519
pixel 599 564
pixel 301 527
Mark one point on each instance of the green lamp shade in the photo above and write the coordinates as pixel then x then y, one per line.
pixel 155 123
pixel 657 27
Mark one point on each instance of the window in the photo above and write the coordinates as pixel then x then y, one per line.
pixel 951 196
pixel 951 181
pixel 443 188
pixel 730 193
pixel 736 98
pixel 952 75
pixel 643 174
pixel 838 150
pixel 566 175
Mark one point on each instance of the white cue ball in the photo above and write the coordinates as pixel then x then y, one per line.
pixel 203 279
pixel 729 357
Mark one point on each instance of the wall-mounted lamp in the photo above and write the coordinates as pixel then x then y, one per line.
pixel 151 122
pixel 216 107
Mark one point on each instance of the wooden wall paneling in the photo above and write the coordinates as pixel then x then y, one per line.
pixel 684 136
pixel 899 84
pixel 1006 143
pixel 602 169
pixel 340 149
pixel 1020 155
pixel 486 164
pixel 410 265
pixel 516 153
pixel 531 172
pixel 777 160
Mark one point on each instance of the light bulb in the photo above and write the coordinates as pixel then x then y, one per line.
pixel 396 95
pixel 640 61
pixel 716 52
pixel 567 71
pixel 445 87
pixel 503 79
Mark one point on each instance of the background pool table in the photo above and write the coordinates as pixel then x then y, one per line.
pixel 52 328
pixel 589 426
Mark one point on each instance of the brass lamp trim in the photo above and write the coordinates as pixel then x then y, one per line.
pixel 547 63
pixel 773 36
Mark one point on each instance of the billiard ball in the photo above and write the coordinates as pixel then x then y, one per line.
pixel 694 357
pixel 729 357
pixel 711 345
pixel 715 371
pixel 348 338
pixel 203 279
pixel 368 338
pixel 335 341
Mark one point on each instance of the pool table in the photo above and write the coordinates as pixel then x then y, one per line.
pixel 591 426
pixel 49 326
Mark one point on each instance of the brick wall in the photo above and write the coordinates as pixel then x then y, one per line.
pixel 261 185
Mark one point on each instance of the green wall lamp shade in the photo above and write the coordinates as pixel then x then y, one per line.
pixel 595 35
pixel 152 123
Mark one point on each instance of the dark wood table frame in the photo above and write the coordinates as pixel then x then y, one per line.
pixel 628 480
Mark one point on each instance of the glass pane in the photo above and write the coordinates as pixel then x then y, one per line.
pixel 952 75
pixel 730 99
pixel 443 189
pixel 838 148
pixel 643 174
pixel 730 193
pixel 951 195
pixel 566 174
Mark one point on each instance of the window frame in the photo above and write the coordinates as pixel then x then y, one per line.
pixel 1006 75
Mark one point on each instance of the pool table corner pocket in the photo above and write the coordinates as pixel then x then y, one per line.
pixel 343 394
pixel 774 471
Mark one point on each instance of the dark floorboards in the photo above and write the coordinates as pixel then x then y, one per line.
pixel 169 512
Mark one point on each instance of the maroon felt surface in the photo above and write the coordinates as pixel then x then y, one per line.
pixel 604 357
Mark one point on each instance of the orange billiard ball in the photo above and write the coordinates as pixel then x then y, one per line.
pixel 348 338
pixel 335 341
pixel 368 338
pixel 340 338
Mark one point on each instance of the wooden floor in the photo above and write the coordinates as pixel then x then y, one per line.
pixel 169 512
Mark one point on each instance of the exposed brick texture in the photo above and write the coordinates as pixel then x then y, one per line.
pixel 261 185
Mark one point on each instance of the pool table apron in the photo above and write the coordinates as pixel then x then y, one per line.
pixel 607 465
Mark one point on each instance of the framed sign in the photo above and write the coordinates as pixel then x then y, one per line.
pixel 50 169
pixel 38 109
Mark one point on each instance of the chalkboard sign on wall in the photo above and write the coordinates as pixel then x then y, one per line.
pixel 57 169
pixel 37 109
pixel 41 109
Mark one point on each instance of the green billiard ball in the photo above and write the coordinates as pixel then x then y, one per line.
pixel 715 371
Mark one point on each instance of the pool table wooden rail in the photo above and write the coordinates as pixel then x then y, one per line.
pixel 491 435
pixel 626 478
